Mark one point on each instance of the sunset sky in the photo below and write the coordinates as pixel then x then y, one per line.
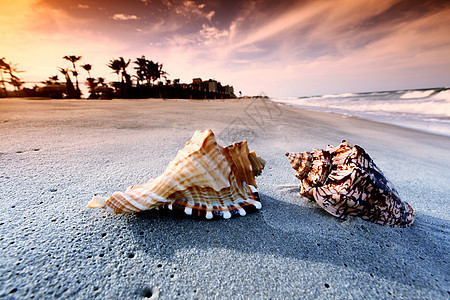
pixel 281 48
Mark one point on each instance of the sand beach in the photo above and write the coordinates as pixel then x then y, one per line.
pixel 56 154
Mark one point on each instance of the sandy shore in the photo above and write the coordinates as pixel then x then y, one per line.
pixel 56 154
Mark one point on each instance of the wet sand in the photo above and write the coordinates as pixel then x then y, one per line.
pixel 56 154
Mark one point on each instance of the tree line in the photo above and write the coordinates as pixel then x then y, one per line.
pixel 149 81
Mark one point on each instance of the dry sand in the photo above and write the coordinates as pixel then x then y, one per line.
pixel 56 154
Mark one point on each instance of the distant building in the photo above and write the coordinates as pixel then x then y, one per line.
pixel 228 89
pixel 212 86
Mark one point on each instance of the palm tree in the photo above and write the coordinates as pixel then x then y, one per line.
pixel 71 93
pixel 10 69
pixel 161 72
pixel 92 85
pixel 54 79
pixel 149 71
pixel 63 71
pixel 16 82
pixel 154 71
pixel 141 69
pixel 88 68
pixel 115 65
pixel 123 66
pixel 101 81
pixel 73 59
pixel 75 73
pixel 119 66
pixel 3 67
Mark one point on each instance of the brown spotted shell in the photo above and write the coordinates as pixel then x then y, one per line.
pixel 345 181
pixel 204 180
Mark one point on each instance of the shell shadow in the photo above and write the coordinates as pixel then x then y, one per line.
pixel 288 230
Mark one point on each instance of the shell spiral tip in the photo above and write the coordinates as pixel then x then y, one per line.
pixel 97 202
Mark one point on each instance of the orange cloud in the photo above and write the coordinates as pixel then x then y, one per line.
pixel 124 17
pixel 37 38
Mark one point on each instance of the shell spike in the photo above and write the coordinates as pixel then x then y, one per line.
pixel 257 163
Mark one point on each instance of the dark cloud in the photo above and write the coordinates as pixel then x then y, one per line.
pixel 404 11
pixel 190 15
pixel 147 11
pixel 168 22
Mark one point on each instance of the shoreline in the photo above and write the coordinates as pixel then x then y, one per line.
pixel 55 155
pixel 398 124
pixel 243 99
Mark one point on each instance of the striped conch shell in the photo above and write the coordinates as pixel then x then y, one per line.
pixel 345 181
pixel 204 180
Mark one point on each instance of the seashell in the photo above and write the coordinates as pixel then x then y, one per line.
pixel 345 181
pixel 203 180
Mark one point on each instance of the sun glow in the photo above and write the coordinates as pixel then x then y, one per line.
pixel 311 48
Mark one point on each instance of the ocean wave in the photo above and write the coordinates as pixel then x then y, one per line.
pixel 345 95
pixel 443 95
pixel 427 110
pixel 417 94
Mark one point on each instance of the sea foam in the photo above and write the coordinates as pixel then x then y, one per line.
pixel 425 109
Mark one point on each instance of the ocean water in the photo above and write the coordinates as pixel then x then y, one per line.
pixel 422 109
